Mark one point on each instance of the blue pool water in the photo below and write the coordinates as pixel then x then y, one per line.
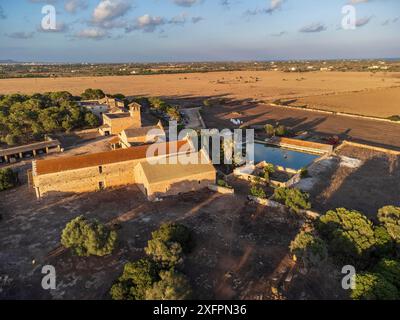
pixel 282 157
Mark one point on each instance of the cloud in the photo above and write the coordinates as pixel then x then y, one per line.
pixel 314 27
pixel 20 35
pixel 61 27
pixel 92 33
pixel 72 6
pixel 197 19
pixel 109 10
pixel 279 34
pixel 180 19
pixel 363 21
pixel 186 3
pixel 273 6
pixel 358 1
pixel 146 23
pixel 2 14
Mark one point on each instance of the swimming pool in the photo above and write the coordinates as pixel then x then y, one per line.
pixel 282 157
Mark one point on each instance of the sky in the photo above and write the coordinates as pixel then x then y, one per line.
pixel 198 30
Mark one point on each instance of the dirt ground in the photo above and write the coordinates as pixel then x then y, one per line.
pixel 378 103
pixel 237 244
pixel 259 85
pixel 374 183
pixel 365 131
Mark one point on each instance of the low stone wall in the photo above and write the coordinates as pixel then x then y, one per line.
pixel 222 190
pixel 366 146
pixel 343 114
pixel 268 203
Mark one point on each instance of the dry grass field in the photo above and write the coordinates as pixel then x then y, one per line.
pixel 259 85
pixel 378 102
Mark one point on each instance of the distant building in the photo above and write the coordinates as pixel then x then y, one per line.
pixel 101 106
pixel 92 172
pixel 115 123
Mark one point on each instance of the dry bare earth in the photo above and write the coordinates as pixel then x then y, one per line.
pixel 237 245
pixel 259 85
pixel 379 102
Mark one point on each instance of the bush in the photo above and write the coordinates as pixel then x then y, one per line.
pixel 311 249
pixel 168 244
pixel 166 254
pixel 303 173
pixel 88 238
pixel 281 131
pixel 349 234
pixel 373 286
pixel 390 270
pixel 384 244
pixel 394 118
pixel 91 120
pixel 172 286
pixel 268 170
pixel 136 278
pixel 257 192
pixel 207 103
pixel 390 218
pixel 92 94
pixel 8 179
pixel 293 198
pixel 223 183
pixel 174 232
pixel 269 130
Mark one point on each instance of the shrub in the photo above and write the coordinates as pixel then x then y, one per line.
pixel 390 218
pixel 293 198
pixel 390 270
pixel 92 94
pixel 394 118
pixel 373 286
pixel 136 278
pixel 303 173
pixel 257 192
pixel 384 244
pixel 223 183
pixel 91 120
pixel 281 131
pixel 172 286
pixel 207 103
pixel 311 249
pixel 268 170
pixel 349 234
pixel 88 238
pixel 174 232
pixel 166 254
pixel 8 179
pixel 269 130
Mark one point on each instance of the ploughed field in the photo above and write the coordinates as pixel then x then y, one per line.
pixel 239 85
pixel 377 103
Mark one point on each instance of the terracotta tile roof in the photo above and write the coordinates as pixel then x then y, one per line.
pixel 96 159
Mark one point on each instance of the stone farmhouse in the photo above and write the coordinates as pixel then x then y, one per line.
pixel 92 172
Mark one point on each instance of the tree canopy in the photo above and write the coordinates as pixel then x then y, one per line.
pixel 172 286
pixel 8 179
pixel 87 238
pixel 26 118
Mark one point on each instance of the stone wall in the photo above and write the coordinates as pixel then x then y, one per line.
pixel 182 185
pixel 86 179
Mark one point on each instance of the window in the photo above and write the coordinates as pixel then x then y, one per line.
pixel 100 169
pixel 101 185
